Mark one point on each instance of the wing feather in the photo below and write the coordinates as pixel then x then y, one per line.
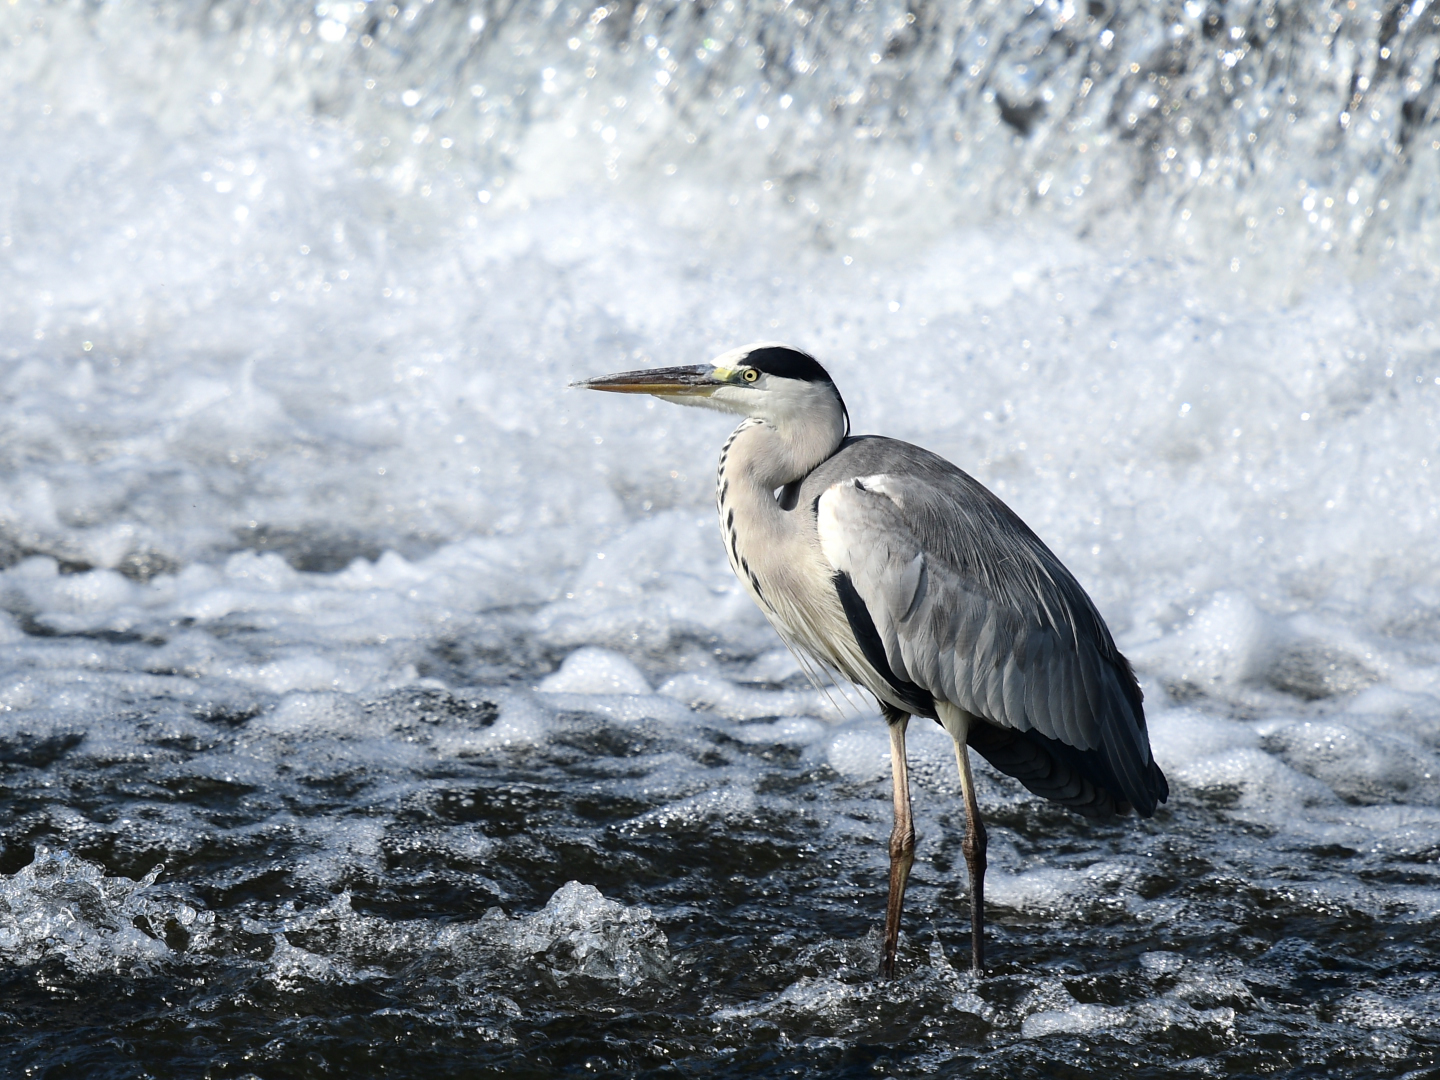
pixel 1091 677
pixel 1059 705
pixel 969 606
pixel 1014 694
pixel 1077 709
pixel 1037 687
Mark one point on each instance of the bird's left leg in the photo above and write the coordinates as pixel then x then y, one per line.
pixel 957 723
pixel 902 839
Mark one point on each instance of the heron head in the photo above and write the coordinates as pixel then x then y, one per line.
pixel 766 380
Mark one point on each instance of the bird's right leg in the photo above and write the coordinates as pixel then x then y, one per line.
pixel 973 847
pixel 902 838
pixel 957 723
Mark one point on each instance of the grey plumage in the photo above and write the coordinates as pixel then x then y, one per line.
pixel 997 626
pixel 893 567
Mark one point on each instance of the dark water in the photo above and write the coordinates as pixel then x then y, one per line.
pixel 343 919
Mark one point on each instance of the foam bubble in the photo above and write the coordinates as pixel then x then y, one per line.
pixel 860 750
pixel 1261 785
pixel 623 708
pixel 716 694
pixel 340 848
pixel 1056 889
pixel 1227 641
pixel 291 968
pixel 1358 765
pixel 522 721
pixel 1076 1020
pixel 242 588
pixel 596 671
pixel 775 666
pixel 67 907
pixel 654 583
pixel 1161 963
pixel 732 803
pixel 582 933
pixel 796 730
pixel 1179 737
pixel 308 714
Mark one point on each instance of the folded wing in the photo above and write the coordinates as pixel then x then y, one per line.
pixel 966 604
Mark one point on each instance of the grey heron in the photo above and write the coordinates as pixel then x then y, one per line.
pixel 892 567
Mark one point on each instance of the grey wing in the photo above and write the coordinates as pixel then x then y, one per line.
pixel 965 604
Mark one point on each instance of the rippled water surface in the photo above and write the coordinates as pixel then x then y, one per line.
pixel 374 706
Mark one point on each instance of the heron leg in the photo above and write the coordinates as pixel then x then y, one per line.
pixel 957 723
pixel 974 848
pixel 902 839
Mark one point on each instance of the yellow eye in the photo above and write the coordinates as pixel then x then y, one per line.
pixel 750 375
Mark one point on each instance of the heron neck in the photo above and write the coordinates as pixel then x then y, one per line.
pixel 757 462
pixel 770 455
pixel 774 551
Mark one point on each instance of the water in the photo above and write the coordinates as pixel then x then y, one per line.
pixel 374 706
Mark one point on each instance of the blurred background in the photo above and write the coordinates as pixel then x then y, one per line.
pixel 296 514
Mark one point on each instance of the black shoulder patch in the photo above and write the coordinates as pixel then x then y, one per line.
pixel 917 699
pixel 787 363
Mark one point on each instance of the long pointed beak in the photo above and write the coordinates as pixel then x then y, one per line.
pixel 698 381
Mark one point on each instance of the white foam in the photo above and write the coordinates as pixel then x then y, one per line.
pixel 291 968
pixel 523 721
pixel 61 905
pixel 580 932
pixel 775 666
pixel 1265 786
pixel 340 848
pixel 624 708
pixel 795 730
pixel 1207 985
pixel 732 803
pixel 1162 963
pixel 646 587
pixel 1053 889
pixel 807 996
pixel 1357 764
pixel 1180 737
pixel 325 713
pixel 596 671
pixel 860 750
pixel 1227 641
pixel 1076 1020
pixel 716 694
pixel 1368 1009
